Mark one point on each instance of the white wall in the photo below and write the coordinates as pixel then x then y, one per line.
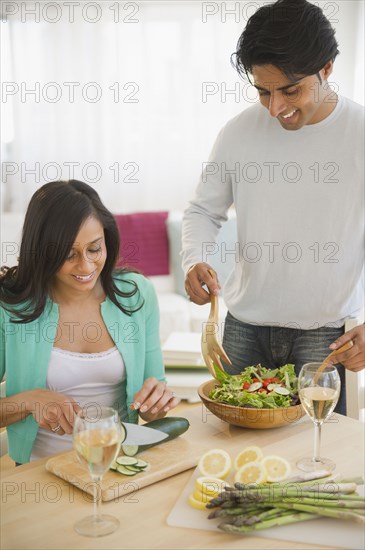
pixel 162 128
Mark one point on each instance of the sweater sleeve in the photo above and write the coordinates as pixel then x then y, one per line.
pixel 153 361
pixel 208 210
pixel 2 344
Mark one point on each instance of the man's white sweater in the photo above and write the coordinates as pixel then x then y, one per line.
pixel 299 200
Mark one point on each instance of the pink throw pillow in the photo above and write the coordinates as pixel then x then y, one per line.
pixel 144 242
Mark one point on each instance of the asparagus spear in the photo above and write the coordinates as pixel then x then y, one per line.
pixel 234 511
pixel 266 524
pixel 328 512
pixel 303 480
pixel 259 517
pixel 272 493
pixel 357 504
pixel 308 476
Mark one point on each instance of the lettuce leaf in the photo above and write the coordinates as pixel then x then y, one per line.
pixel 230 390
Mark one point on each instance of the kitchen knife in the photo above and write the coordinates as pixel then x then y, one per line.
pixel 141 435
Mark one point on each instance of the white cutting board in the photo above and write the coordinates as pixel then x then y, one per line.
pixel 326 531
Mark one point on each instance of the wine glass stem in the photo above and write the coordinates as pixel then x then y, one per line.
pixel 317 441
pixel 97 497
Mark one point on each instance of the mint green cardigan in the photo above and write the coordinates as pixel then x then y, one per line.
pixel 25 351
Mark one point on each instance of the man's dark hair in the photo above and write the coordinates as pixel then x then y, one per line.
pixel 292 35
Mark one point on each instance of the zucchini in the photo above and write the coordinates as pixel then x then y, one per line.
pixel 126 461
pixel 129 469
pixel 130 450
pixel 134 469
pixel 142 464
pixel 125 471
pixel 171 425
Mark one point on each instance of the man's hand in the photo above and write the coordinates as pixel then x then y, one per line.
pixel 198 275
pixel 354 358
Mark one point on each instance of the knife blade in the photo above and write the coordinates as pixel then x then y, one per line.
pixel 141 435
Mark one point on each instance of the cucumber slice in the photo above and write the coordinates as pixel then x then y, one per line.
pixel 126 461
pixel 125 471
pixel 134 468
pixel 281 390
pixel 130 450
pixel 255 386
pixel 123 432
pixel 142 464
pixel 114 465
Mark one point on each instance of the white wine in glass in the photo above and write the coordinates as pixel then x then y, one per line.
pixel 319 392
pixel 97 436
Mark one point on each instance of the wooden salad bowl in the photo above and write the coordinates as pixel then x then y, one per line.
pixel 248 417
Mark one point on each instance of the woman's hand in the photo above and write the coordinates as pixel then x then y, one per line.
pixel 154 399
pixel 354 358
pixel 52 410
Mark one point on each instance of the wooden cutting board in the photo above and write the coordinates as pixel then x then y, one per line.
pixel 165 461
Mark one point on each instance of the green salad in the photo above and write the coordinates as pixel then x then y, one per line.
pixel 257 387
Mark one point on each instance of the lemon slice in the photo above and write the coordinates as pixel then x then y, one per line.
pixel 202 497
pixel 277 468
pixel 252 472
pixel 249 454
pixel 216 463
pixel 195 503
pixel 210 486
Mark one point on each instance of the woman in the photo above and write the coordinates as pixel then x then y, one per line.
pixel 75 330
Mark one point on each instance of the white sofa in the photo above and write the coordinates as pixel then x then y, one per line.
pixel 176 312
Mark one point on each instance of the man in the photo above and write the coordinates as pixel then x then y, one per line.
pixel 292 165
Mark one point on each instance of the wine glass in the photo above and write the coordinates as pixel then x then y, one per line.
pixel 97 436
pixel 319 391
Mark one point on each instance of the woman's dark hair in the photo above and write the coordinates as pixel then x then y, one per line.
pixel 52 221
pixel 292 35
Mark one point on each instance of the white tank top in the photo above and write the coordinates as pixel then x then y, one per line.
pixel 87 378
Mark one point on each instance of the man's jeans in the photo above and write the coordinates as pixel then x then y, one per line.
pixel 273 347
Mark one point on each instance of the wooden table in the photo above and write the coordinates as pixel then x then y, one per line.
pixel 38 510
